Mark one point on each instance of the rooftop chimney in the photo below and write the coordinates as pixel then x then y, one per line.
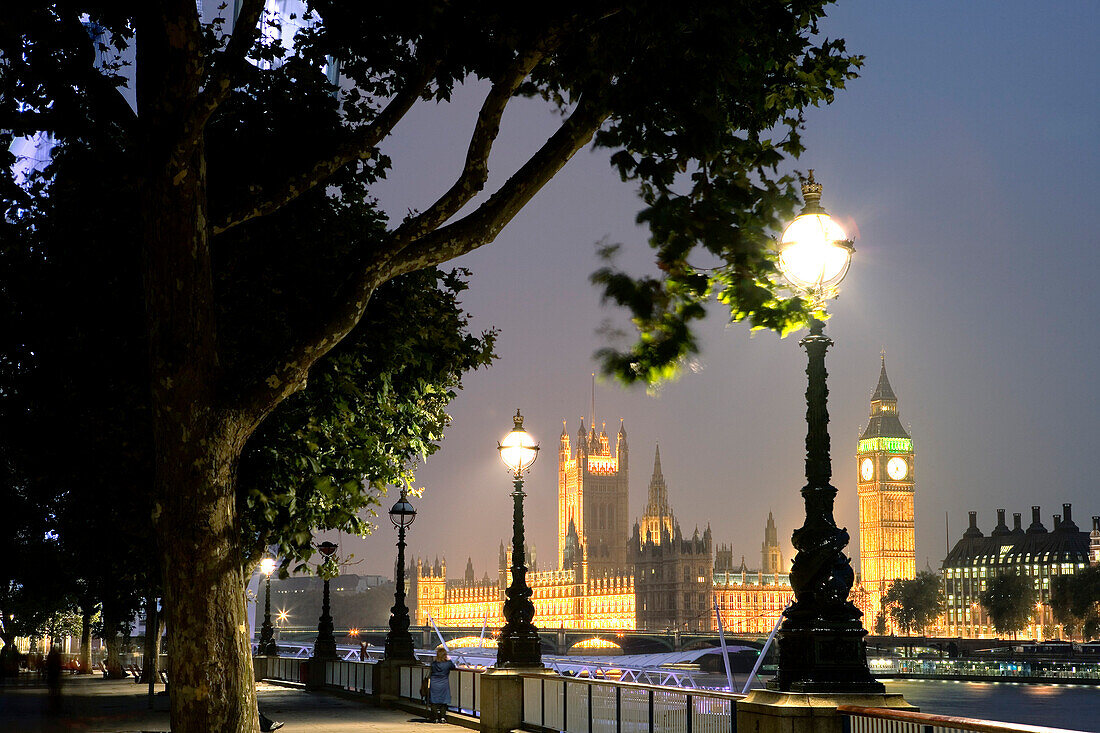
pixel 1057 522
pixel 1067 519
pixel 1001 529
pixel 1017 523
pixel 972 530
pixel 1096 524
pixel 1036 523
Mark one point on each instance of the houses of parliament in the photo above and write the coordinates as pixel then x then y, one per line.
pixel 609 575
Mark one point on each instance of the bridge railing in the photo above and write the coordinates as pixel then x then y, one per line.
pixel 855 719
pixel 597 706
pixel 350 676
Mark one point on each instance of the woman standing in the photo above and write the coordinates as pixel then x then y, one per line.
pixel 439 690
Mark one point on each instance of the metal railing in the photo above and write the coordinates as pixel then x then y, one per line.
pixel 855 719
pixel 465 687
pixel 600 706
pixel 350 676
pixel 286 669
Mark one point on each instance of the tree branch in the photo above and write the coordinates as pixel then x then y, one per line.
pixel 359 146
pixel 221 76
pixel 475 170
pixel 482 225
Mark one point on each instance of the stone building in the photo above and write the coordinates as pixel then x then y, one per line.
pixel 1035 552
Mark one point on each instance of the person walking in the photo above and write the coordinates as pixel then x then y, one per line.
pixel 439 689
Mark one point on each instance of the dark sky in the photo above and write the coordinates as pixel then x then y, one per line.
pixel 964 159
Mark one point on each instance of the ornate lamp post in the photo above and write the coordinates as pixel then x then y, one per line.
pixel 325 645
pixel 399 643
pixel 267 647
pixel 821 641
pixel 519 639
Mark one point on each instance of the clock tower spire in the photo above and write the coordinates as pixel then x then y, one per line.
pixel 885 473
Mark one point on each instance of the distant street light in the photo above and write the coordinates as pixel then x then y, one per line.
pixel 399 643
pixel 325 645
pixel 821 642
pixel 267 646
pixel 518 645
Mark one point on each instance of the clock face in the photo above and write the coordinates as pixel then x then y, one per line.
pixel 867 469
pixel 897 468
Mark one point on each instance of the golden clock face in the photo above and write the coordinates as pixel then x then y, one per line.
pixel 867 469
pixel 897 468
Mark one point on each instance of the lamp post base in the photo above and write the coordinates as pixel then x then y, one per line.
pixel 519 648
pixel 400 648
pixel 820 660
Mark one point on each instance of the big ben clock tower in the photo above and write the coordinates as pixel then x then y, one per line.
pixel 885 472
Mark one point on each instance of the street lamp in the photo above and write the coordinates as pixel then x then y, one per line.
pixel 267 647
pixel 821 642
pixel 518 645
pixel 325 645
pixel 399 643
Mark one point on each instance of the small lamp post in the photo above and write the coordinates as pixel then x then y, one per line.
pixel 267 646
pixel 821 642
pixel 519 644
pixel 325 645
pixel 399 643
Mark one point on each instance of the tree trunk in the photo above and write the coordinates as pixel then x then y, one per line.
pixel 198 443
pixel 113 661
pixel 86 638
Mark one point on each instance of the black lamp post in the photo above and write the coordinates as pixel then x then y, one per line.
pixel 399 643
pixel 821 642
pixel 325 645
pixel 267 646
pixel 519 644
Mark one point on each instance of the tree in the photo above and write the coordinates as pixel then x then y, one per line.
pixel 1075 602
pixel 914 603
pixel 686 97
pixel 1009 600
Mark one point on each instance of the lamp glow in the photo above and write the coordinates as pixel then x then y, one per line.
pixel 518 449
pixel 814 251
pixel 267 566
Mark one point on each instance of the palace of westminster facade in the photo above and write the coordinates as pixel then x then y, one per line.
pixel 653 577
pixel 606 578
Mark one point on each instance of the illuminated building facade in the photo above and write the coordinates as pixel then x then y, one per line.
pixel 1035 552
pixel 885 475
pixel 751 601
pixel 593 501
pixel 672 576
pixel 605 579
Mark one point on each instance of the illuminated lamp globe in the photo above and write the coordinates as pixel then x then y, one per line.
pixel 402 513
pixel 814 251
pixel 267 566
pixel 518 450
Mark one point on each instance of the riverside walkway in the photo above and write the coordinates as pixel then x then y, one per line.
pixel 92 704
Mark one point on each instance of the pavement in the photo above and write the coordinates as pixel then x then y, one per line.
pixel 91 703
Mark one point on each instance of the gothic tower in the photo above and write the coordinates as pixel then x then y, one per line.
pixel 885 473
pixel 658 520
pixel 593 498
pixel 771 557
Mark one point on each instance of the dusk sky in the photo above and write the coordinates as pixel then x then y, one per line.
pixel 965 162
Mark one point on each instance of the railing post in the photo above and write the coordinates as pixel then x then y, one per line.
pixel 618 709
pixel 565 704
pixel 590 685
pixel 651 711
pixel 687 713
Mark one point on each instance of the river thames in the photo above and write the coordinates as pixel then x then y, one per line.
pixel 1076 707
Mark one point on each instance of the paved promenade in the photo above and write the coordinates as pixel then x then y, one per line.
pixel 94 704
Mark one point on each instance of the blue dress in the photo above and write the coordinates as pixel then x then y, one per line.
pixel 439 689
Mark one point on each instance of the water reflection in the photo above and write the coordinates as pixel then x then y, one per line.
pixel 1076 707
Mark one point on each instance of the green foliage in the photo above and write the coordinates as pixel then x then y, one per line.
pixel 1075 602
pixel 916 602
pixel 373 407
pixel 1009 600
